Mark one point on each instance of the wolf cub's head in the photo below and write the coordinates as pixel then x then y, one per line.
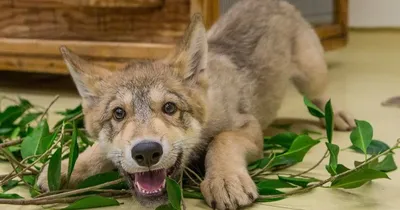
pixel 147 116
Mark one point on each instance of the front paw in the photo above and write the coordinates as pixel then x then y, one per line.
pixel 228 189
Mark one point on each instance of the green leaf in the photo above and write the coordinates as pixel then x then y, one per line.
pixel 15 133
pixel 26 119
pixel 301 145
pixel 25 103
pixel 165 207
pixel 47 141
pixel 374 148
pixel 103 178
pixel 93 201
pixel 271 162
pixel 387 165
pixel 264 162
pixel 329 121
pixel 340 169
pixel 174 193
pixel 11 114
pixel 73 151
pixel 358 178
pixel 54 171
pixel 30 179
pixel 313 109
pixel 69 114
pixel 302 182
pixel 10 196
pixel 14 148
pixel 194 195
pixel 74 111
pixel 371 164
pixel 361 136
pixel 9 185
pixel 333 157
pixel 30 144
pixel 283 139
pixel 6 131
pixel 273 183
pixel 269 191
pixel 34 191
pixel 253 166
pixel 271 147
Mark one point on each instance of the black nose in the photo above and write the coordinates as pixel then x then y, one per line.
pixel 147 153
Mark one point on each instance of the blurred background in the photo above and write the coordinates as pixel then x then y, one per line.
pixel 114 31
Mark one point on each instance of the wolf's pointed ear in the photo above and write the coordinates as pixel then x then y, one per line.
pixel 87 77
pixel 190 58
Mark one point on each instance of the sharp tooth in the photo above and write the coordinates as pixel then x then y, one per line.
pixel 163 184
pixel 138 186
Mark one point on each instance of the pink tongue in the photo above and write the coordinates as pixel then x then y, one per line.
pixel 151 181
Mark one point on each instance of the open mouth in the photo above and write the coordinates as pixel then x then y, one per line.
pixel 151 185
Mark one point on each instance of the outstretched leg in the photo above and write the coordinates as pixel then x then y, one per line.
pixel 311 75
pixel 227 184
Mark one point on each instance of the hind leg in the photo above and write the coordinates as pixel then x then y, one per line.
pixel 311 76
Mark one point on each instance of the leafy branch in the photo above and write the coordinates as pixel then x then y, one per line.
pixel 27 142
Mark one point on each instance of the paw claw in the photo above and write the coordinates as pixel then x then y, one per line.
pixel 251 197
pixel 214 205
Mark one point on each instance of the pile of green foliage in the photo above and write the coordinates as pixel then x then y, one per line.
pixel 27 143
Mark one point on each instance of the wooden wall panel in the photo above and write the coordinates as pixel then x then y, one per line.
pixel 165 24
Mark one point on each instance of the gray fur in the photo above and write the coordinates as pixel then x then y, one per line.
pixel 250 53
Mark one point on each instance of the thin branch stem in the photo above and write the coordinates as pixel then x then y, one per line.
pixel 55 201
pixel 13 160
pixel 48 107
pixel 83 190
pixel 10 143
pixel 315 166
pixel 66 190
pixel 190 177
pixel 20 176
pixel 265 167
pixel 286 174
pixel 24 174
pixel 304 190
pixel 182 198
pixel 17 102
pixel 37 160
pixel 194 173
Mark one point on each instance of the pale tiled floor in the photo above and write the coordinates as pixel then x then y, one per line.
pixel 362 76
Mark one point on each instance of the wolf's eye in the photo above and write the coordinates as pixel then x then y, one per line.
pixel 169 108
pixel 119 113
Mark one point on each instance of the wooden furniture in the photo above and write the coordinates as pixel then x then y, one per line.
pixel 334 35
pixel 109 32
